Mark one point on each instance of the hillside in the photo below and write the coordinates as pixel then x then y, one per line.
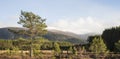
pixel 52 35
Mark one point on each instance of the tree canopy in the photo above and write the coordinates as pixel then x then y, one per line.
pixel 111 36
pixel 98 46
pixel 34 23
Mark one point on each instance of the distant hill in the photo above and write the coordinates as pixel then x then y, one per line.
pixel 85 36
pixel 52 35
pixel 56 35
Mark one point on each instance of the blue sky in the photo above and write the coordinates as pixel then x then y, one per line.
pixel 78 16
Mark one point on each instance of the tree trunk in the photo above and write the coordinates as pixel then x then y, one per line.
pixel 31 51
pixel 31 48
pixel 22 54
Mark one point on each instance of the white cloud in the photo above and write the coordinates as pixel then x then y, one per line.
pixel 83 25
pixel 107 16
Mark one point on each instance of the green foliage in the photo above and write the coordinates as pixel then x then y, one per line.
pixel 8 52
pixel 15 51
pixel 70 49
pixel 47 46
pixel 5 44
pixel 36 52
pixel 57 48
pixel 74 51
pixel 65 43
pixel 117 45
pixel 35 24
pixel 22 44
pixel 98 46
pixel 39 43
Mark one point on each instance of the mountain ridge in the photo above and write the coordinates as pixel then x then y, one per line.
pixel 53 35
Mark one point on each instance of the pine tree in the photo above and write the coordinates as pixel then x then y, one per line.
pixel 57 48
pixel 70 49
pixel 98 46
pixel 74 51
pixel 34 24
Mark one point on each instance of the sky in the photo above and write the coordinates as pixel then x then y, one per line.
pixel 77 16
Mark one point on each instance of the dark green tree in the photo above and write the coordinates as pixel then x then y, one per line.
pixel 34 24
pixel 110 37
